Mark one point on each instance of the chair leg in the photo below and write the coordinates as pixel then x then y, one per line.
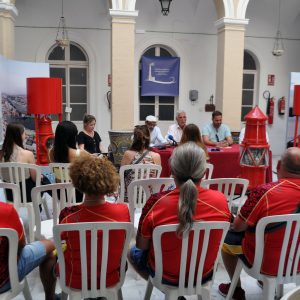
pixel 234 280
pixel 279 291
pixel 26 291
pixel 269 289
pixel 120 295
pixel 148 290
pixel 31 222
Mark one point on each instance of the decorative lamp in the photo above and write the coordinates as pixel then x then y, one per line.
pixel 254 157
pixel 44 97
pixel 165 6
pixel 62 38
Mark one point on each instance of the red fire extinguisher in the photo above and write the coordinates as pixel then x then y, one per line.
pixel 271 110
pixel 281 106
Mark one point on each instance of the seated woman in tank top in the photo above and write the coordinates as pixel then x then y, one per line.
pixel 13 151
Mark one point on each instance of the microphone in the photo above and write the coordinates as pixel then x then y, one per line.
pixel 171 138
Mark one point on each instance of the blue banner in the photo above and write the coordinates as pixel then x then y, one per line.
pixel 160 76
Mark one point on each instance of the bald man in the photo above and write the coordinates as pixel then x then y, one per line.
pixel 275 198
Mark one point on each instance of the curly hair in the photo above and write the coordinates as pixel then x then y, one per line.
pixel 93 175
pixel 141 138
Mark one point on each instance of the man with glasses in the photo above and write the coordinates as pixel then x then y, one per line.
pixel 156 138
pixel 216 133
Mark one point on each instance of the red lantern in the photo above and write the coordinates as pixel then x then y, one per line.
pixel 44 96
pixel 254 157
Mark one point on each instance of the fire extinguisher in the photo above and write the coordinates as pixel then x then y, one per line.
pixel 281 106
pixel 271 104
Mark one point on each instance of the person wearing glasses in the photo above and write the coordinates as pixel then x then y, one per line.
pixel 216 133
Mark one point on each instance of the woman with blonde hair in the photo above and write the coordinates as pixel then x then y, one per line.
pixel 187 203
pixel 95 177
pixel 191 133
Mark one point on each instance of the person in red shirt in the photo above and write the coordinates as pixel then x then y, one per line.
pixel 29 255
pixel 187 203
pixel 276 198
pixel 95 177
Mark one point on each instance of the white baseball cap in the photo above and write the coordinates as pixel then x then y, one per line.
pixel 151 118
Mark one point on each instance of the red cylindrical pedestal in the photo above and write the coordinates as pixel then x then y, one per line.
pixel 257 175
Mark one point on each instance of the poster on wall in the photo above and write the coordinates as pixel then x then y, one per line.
pixel 291 121
pixel 160 76
pixel 13 76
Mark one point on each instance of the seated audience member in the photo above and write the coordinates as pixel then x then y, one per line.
pixel 13 151
pixel 30 255
pixel 186 204
pixel 139 153
pixel 156 138
pixel 275 198
pixel 95 177
pixel 176 130
pixel 242 134
pixel 64 149
pixel 89 139
pixel 191 133
pixel 216 133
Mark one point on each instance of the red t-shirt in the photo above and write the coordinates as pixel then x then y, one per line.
pixel 106 212
pixel 162 209
pixel 277 198
pixel 9 218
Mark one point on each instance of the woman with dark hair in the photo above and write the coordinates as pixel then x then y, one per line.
pixel 191 133
pixel 64 149
pixel 89 139
pixel 186 204
pixel 13 151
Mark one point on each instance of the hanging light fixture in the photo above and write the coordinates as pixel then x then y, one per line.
pixel 62 39
pixel 278 48
pixel 165 6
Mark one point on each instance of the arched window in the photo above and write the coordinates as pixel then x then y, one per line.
pixel 249 84
pixel 71 64
pixel 161 106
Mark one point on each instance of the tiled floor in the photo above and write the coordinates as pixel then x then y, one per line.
pixel 134 286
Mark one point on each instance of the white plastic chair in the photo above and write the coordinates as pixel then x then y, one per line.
pixel 183 289
pixel 289 256
pixel 16 285
pixel 139 171
pixel 292 295
pixel 209 171
pixel 109 292
pixel 65 197
pixel 60 172
pixel 228 187
pixel 13 172
pixel 16 192
pixel 139 192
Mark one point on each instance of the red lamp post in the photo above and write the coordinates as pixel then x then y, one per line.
pixel 254 156
pixel 44 96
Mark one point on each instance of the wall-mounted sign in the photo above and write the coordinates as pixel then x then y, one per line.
pixel 271 79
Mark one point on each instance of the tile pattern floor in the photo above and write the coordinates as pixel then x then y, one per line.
pixel 134 286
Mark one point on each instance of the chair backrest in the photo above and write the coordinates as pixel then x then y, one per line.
pixel 229 187
pixel 140 190
pixel 93 228
pixel 62 196
pixel 16 285
pixel 60 171
pixel 18 173
pixel 290 254
pixel 209 171
pixel 137 171
pixel 15 188
pixel 205 228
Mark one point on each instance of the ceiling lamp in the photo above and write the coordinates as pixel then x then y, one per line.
pixel 62 39
pixel 165 6
pixel 278 48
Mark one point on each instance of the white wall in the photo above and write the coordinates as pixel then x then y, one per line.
pixel 189 30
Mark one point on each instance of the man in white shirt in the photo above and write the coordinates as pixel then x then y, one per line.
pixel 156 138
pixel 176 130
